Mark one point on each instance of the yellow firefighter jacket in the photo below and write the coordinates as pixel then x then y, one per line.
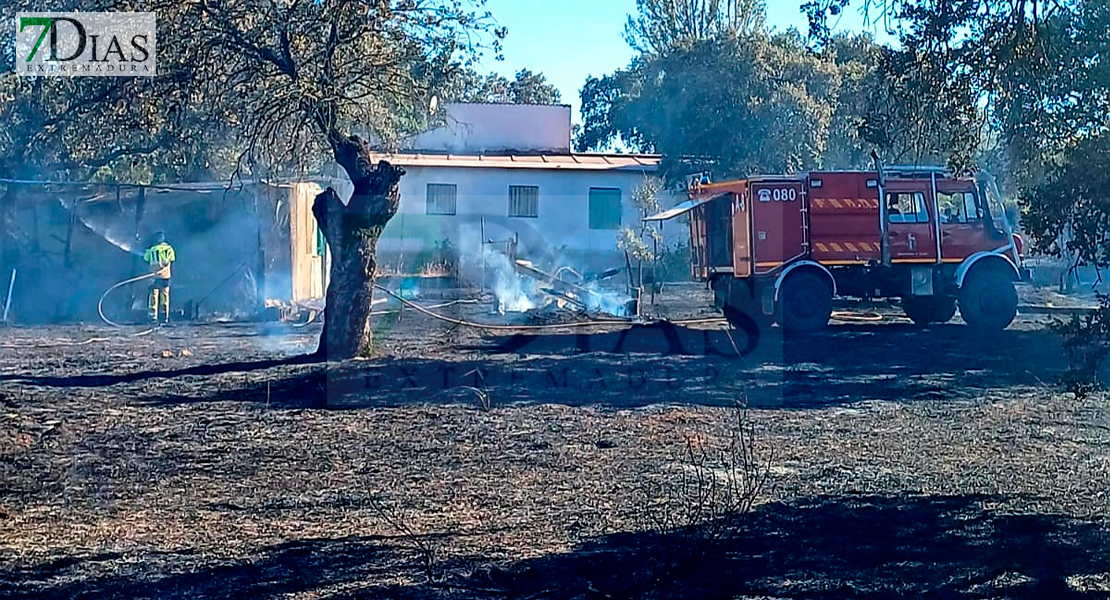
pixel 159 257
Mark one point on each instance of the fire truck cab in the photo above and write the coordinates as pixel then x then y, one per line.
pixel 780 248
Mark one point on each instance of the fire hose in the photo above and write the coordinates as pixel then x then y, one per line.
pixel 592 322
pixel 837 315
pixel 861 317
pixel 100 304
pixel 377 313
pixel 453 321
pixel 100 310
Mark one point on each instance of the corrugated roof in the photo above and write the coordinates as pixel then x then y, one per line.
pixel 577 162
pixel 680 209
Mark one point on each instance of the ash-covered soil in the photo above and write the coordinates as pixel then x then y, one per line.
pixel 210 461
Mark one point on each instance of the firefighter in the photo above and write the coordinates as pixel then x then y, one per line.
pixel 160 258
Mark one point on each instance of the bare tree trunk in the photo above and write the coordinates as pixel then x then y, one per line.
pixel 352 231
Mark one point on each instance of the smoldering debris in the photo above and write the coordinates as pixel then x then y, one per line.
pixel 587 293
pixel 512 293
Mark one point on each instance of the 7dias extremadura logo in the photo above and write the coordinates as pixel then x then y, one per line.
pixel 98 44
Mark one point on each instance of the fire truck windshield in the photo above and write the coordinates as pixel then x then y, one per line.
pixel 994 211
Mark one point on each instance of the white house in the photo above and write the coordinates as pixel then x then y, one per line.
pixel 502 171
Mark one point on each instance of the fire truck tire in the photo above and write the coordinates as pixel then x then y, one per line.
pixel 988 300
pixel 924 310
pixel 805 302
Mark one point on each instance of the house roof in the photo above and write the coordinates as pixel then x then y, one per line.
pixel 127 194
pixel 569 162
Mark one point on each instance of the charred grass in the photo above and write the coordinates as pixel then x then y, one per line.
pixel 213 462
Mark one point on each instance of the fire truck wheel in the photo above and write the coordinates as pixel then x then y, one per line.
pixel 988 300
pixel 805 302
pixel 946 309
pixel 929 309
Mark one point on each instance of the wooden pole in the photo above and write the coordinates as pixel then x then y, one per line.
pixel 260 278
pixel 69 234
pixel 655 263
pixel 482 250
pixel 137 248
pixel 8 302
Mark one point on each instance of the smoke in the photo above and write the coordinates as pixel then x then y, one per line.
pixel 518 293
pixel 607 301
pixel 512 292
pixel 486 259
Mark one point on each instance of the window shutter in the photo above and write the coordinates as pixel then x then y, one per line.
pixel 605 208
pixel 442 198
pixel 524 201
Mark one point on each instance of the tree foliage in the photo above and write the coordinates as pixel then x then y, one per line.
pixel 737 104
pixel 633 241
pixel 68 128
pixel 1074 197
pixel 709 98
pixel 1034 67
pixel 300 76
pixel 661 25
pixel 526 87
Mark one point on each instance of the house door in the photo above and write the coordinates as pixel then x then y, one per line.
pixel 910 229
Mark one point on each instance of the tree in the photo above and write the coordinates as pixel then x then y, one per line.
pixel 525 88
pixel 334 78
pixel 532 88
pixel 599 100
pixel 69 128
pixel 633 241
pixel 709 98
pixel 662 25
pixel 734 105
pixel 1031 67
pixel 1075 195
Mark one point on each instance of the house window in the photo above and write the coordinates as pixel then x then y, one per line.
pixel 442 198
pixel 605 208
pixel 524 201
pixel 907 207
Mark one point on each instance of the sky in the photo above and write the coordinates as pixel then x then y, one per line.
pixel 569 40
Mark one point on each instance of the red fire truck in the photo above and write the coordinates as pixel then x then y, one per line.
pixel 779 248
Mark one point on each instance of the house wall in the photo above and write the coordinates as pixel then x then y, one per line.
pixel 559 235
pixel 306 265
pixel 213 230
pixel 477 128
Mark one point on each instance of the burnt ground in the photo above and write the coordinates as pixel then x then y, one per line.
pixel 209 461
